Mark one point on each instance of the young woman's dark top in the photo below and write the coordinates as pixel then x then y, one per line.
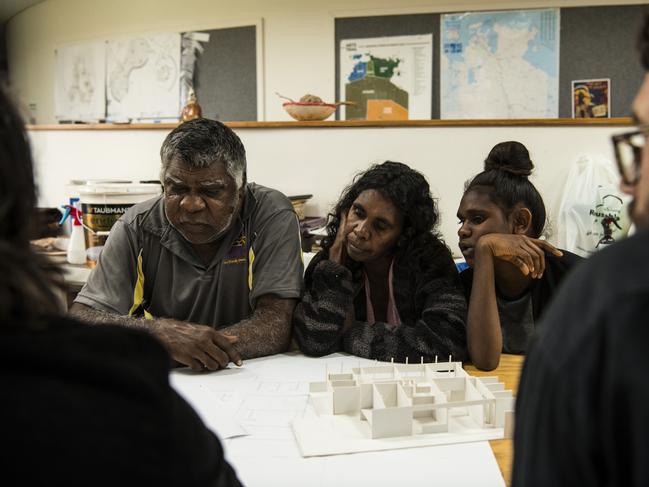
pixel 542 290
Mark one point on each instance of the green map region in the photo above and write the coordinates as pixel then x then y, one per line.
pixel 371 88
pixel 382 68
pixel 370 80
pixel 376 66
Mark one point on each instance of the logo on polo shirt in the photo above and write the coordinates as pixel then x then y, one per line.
pixel 238 252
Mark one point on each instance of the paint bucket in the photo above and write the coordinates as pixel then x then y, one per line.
pixel 103 202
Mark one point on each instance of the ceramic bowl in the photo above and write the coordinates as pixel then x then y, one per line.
pixel 309 111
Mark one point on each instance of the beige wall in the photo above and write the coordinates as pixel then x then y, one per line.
pixel 298 56
pixel 322 161
pixel 298 38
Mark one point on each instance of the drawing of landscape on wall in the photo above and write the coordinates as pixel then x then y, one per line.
pixel 79 89
pixel 142 77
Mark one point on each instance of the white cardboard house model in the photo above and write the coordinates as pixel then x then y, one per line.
pixel 401 400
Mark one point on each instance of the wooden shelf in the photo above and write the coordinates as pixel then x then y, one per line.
pixel 531 122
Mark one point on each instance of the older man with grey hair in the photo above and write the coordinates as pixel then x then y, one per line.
pixel 212 253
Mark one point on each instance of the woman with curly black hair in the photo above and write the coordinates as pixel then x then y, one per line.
pixel 384 285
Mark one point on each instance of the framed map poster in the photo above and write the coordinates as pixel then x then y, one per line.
pixel 387 78
pixel 500 65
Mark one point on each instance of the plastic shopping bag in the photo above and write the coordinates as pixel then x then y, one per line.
pixel 593 212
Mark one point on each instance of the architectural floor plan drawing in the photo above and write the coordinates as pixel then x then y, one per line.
pixel 391 406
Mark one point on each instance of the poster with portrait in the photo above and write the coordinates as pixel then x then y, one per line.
pixel 591 98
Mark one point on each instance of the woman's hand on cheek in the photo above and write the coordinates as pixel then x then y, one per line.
pixel 338 251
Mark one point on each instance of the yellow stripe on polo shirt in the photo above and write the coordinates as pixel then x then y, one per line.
pixel 138 291
pixel 251 259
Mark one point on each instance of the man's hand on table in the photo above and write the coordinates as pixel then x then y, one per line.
pixel 197 346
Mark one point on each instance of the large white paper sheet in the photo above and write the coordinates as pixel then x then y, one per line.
pixel 461 465
pixel 467 464
pixel 335 435
pixel 273 392
pixel 217 410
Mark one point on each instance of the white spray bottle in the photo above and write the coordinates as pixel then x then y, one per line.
pixel 77 245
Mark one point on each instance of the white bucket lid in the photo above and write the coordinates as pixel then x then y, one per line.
pixel 112 187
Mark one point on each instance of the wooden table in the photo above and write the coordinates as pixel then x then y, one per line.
pixel 508 371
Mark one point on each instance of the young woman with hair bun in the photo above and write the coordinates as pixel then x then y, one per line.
pixel 512 273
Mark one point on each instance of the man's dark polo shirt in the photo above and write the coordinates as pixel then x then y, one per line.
pixel 148 267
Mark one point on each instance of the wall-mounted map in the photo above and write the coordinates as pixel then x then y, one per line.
pixel 142 77
pixel 500 64
pixel 79 89
pixel 389 78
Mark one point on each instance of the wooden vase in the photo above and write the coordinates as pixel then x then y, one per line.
pixel 192 110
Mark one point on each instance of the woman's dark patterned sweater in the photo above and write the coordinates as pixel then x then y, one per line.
pixel 428 296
